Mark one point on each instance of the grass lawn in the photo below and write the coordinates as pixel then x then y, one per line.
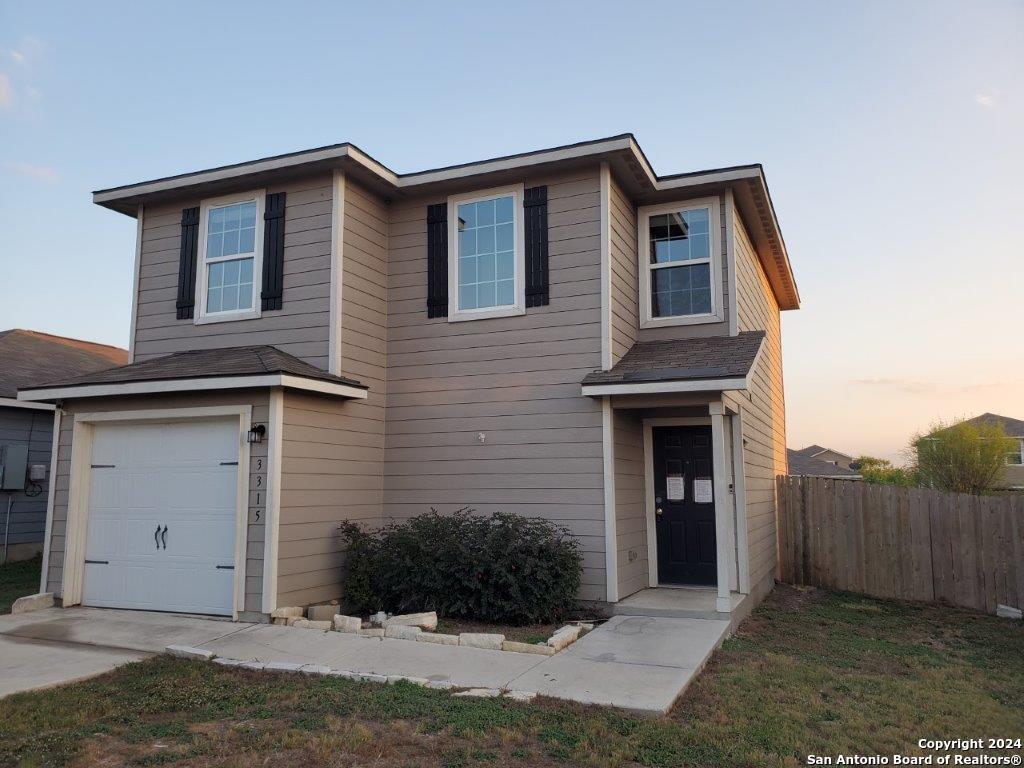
pixel 17 580
pixel 810 672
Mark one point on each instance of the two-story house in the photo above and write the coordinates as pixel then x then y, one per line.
pixel 316 338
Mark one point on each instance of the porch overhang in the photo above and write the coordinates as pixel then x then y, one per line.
pixel 666 387
pixel 693 365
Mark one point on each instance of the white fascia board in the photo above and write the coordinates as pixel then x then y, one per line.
pixel 10 402
pixel 665 387
pixel 510 163
pixel 245 169
pixel 194 385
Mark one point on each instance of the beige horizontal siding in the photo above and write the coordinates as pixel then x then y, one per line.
pixel 300 328
pixel 254 539
pixel 630 511
pixel 624 305
pixel 333 451
pixel 517 380
pixel 764 415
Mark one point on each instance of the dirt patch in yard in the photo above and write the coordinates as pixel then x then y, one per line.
pixel 531 633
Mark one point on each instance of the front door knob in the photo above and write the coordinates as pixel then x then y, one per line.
pixel 658 511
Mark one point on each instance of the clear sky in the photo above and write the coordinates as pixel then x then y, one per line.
pixel 892 136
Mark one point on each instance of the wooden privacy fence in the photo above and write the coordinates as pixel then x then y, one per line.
pixel 906 543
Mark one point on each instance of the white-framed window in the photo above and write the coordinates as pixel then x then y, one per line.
pixel 230 258
pixel 485 254
pixel 680 263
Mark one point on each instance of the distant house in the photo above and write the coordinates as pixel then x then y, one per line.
pixel 828 455
pixel 29 358
pixel 803 463
pixel 1013 475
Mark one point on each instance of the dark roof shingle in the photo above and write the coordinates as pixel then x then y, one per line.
pixel 1013 427
pixel 711 357
pixel 802 464
pixel 28 358
pixel 208 363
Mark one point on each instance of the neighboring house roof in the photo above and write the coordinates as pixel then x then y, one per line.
pixel 207 363
pixel 28 358
pixel 817 450
pixel 622 153
pixel 802 464
pixel 1012 427
pixel 694 359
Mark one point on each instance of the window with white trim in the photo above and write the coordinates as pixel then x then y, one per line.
pixel 485 254
pixel 680 263
pixel 230 245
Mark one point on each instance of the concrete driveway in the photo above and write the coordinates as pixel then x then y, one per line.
pixel 56 646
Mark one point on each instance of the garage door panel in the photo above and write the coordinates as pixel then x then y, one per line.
pixel 170 477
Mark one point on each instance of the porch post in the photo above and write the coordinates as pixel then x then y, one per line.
pixel 722 538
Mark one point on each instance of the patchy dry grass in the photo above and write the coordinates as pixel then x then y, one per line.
pixel 18 579
pixel 809 672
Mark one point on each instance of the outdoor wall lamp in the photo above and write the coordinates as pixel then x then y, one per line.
pixel 256 433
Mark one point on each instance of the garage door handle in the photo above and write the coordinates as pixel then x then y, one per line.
pixel 163 537
pixel 156 535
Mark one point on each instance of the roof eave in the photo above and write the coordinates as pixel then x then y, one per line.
pixel 192 384
pixel 622 152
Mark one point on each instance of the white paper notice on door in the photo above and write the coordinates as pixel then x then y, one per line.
pixel 702 493
pixel 675 488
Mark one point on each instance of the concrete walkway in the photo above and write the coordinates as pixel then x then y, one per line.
pixel 636 663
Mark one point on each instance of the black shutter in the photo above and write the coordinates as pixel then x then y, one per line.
pixel 187 263
pixel 535 210
pixel 272 295
pixel 437 260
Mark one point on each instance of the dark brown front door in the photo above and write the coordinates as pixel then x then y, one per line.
pixel 684 505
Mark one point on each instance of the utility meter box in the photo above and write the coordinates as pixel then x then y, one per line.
pixel 13 463
pixel 37 472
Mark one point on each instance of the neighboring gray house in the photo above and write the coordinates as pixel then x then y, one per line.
pixel 561 333
pixel 1013 476
pixel 26 428
pixel 826 455
pixel 802 463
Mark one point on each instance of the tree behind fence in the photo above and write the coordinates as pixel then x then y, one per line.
pixel 906 543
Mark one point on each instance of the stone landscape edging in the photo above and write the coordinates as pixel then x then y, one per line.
pixel 396 628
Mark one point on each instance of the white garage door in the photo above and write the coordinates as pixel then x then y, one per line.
pixel 161 531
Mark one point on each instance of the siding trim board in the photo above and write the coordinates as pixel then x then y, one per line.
pixel 139 216
pixel 334 338
pixel 50 495
pixel 272 516
pixel 610 537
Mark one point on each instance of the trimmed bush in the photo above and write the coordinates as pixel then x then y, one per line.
pixel 504 568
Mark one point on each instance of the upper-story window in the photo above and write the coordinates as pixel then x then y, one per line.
pixel 680 263
pixel 485 257
pixel 230 245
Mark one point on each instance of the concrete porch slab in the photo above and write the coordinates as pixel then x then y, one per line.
pixel 637 663
pixel 677 603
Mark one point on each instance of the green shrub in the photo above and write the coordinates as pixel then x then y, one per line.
pixel 503 568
